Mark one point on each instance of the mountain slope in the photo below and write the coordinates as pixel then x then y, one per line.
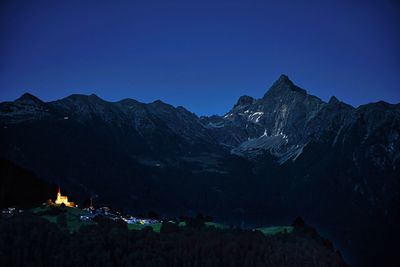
pixel 22 188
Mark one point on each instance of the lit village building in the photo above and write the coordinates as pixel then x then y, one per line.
pixel 63 200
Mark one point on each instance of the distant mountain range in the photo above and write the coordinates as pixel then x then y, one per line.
pixel 264 162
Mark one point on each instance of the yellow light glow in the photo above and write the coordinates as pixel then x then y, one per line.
pixel 63 200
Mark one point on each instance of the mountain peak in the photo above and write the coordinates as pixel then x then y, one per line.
pixel 129 101
pixel 158 102
pixel 284 78
pixel 95 98
pixel 244 100
pixel 284 84
pixel 82 98
pixel 333 100
pixel 29 98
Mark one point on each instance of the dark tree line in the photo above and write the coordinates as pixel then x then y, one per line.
pixel 27 240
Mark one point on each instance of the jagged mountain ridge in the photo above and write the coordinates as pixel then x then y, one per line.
pixel 282 122
pixel 286 119
pixel 148 124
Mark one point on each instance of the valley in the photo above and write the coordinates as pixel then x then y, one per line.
pixel 264 162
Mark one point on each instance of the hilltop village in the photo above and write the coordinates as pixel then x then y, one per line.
pixel 93 212
pixel 88 214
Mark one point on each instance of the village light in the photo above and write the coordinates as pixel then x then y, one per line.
pixel 63 200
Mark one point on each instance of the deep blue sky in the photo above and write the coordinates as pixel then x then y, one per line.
pixel 199 54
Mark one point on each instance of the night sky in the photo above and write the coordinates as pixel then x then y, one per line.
pixel 199 54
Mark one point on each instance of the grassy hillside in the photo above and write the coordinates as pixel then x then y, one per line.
pixel 275 230
pixel 72 216
pixel 73 222
pixel 156 227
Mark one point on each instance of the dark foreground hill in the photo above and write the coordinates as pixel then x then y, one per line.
pixel 30 239
pixel 21 188
pixel 264 162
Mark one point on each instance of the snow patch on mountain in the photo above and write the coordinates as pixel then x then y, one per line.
pixel 215 125
pixel 255 146
pixel 255 117
pixel 292 153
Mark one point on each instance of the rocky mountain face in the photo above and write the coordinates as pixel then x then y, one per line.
pixel 286 119
pixel 264 162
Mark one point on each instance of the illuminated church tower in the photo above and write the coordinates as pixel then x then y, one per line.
pixel 63 199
